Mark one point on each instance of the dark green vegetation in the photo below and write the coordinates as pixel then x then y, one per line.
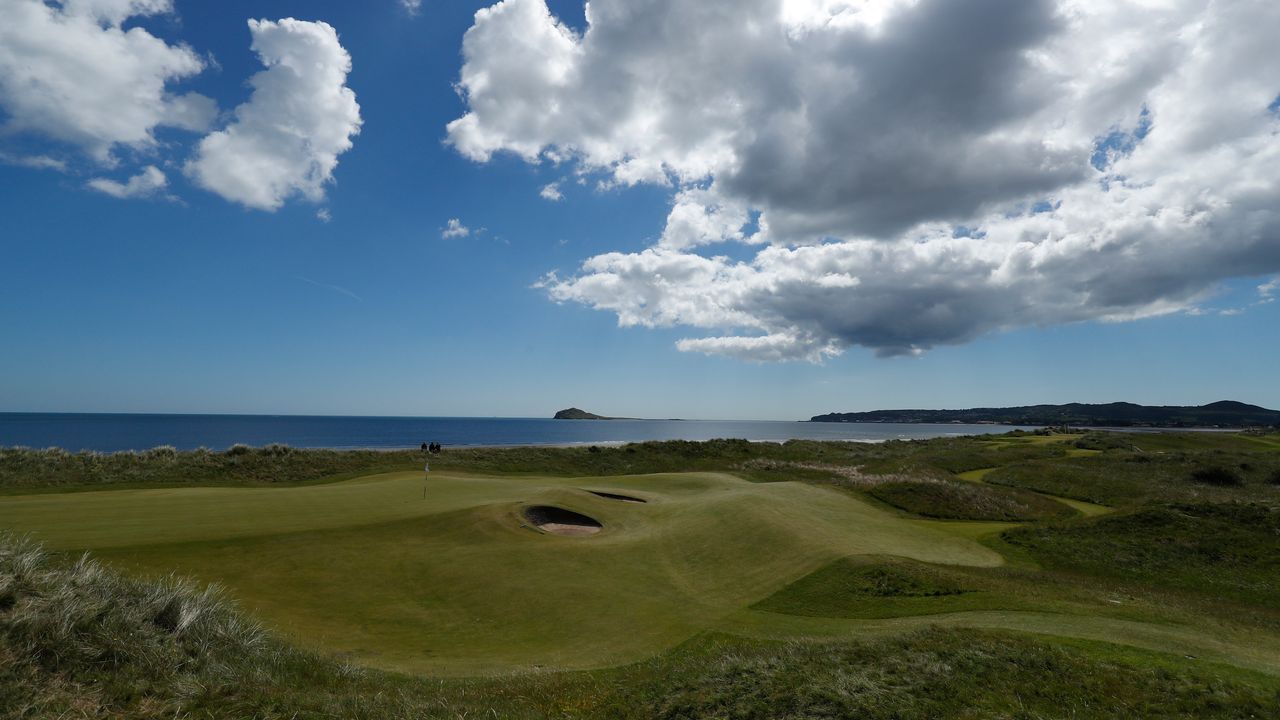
pixel 822 589
pixel 24 468
pixel 80 641
pixel 1225 413
pixel 1229 551
pixel 968 501
pixel 1136 476
pixel 935 674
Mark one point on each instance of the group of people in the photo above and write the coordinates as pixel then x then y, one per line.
pixel 433 448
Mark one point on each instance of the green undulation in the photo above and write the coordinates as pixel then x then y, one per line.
pixel 80 640
pixel 858 587
pixel 760 580
pixel 444 575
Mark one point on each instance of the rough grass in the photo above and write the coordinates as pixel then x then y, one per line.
pixel 954 500
pixel 933 674
pixel 1131 478
pixel 1227 551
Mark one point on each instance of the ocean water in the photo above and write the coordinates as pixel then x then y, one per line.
pixel 112 433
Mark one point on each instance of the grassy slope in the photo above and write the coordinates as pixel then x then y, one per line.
pixel 454 584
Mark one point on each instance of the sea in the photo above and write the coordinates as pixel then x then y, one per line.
pixel 115 433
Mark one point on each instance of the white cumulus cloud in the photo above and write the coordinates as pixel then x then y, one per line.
pixel 916 172
pixel 147 183
pixel 286 139
pixel 455 229
pixel 72 72
pixel 551 192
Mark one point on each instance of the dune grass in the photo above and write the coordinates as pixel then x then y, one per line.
pixel 938 673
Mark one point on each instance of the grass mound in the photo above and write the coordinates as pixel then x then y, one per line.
pixel 968 501
pixel 1225 550
pixel 851 588
pixel 617 496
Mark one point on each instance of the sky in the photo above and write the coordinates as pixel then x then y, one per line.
pixel 725 209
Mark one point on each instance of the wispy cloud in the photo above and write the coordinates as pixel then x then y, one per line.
pixel 1267 290
pixel 148 183
pixel 413 7
pixel 334 288
pixel 39 162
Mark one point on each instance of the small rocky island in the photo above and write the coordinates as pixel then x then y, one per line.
pixel 579 414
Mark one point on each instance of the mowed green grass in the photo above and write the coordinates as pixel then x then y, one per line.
pixel 456 584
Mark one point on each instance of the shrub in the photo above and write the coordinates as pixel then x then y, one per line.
pixel 239 449
pixel 1217 475
pixel 162 452
pixel 276 450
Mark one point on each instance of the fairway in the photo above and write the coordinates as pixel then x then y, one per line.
pixel 459 583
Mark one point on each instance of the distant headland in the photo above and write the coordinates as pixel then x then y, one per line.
pixel 574 413
pixel 1224 414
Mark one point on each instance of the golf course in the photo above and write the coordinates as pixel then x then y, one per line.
pixel 553 566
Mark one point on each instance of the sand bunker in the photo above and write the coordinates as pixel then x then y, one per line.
pixel 559 521
pixel 616 496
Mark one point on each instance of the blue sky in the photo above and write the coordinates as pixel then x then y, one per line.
pixel 185 301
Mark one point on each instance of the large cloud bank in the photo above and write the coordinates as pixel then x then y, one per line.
pixel 915 172
pixel 85 75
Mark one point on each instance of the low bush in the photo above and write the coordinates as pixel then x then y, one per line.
pixel 1217 475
